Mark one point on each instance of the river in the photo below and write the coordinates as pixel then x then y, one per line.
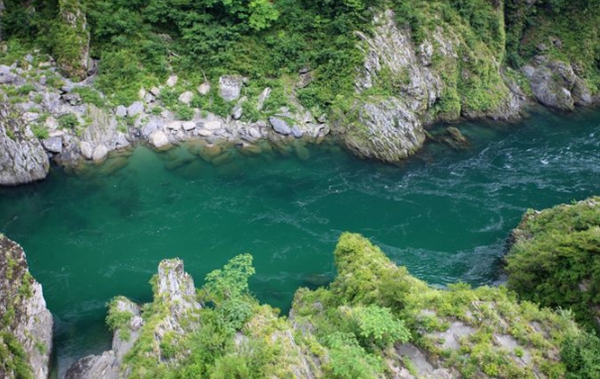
pixel 444 214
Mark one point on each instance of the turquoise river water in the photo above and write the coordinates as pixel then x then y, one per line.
pixel 444 214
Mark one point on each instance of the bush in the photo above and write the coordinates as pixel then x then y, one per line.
pixel 68 121
pixel 581 356
pixel 556 258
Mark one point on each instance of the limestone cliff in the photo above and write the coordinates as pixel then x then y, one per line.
pixel 25 323
pixel 22 157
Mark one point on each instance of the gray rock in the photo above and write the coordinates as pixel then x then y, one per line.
pixel 32 322
pixel 159 139
pixel 238 110
pixel 53 144
pixel 262 98
pixel 135 109
pixel 172 81
pixel 100 153
pixel 174 125
pixel 186 97
pixel 22 157
pixel 212 125
pixel 121 111
pixel 188 125
pixel 254 133
pixel 296 132
pixel 550 87
pixel 155 91
pixel 280 126
pixel 230 87
pixel 86 150
pixel 204 88
pixel 153 124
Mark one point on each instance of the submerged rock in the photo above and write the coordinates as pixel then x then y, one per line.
pixel 26 322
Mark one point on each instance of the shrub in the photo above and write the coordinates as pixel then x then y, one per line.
pixel 68 121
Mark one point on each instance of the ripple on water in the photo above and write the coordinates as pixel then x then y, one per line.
pixel 443 214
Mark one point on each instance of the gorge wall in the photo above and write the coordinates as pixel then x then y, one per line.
pixel 25 323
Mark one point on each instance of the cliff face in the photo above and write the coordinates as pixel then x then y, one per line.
pixel 26 324
pixel 374 321
pixel 22 157
pixel 406 85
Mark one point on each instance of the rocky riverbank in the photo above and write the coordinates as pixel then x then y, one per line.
pixel 402 87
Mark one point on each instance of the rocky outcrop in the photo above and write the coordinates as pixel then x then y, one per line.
pixel 126 332
pixel 403 87
pixel 173 316
pixel 73 52
pixel 555 85
pixel 26 326
pixel 22 156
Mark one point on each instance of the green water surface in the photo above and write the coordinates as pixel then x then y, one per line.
pixel 444 214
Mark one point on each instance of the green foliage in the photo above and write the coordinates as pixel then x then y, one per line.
pixel 185 113
pixel 25 89
pixel 68 121
pixel 581 356
pixel 90 96
pixel 348 360
pixel 232 281
pixel 556 258
pixel 116 318
pixel 13 358
pixel 378 325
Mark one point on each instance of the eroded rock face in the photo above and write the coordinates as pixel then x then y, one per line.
pixel 22 156
pixel 23 311
pixel 386 122
pixel 555 84
pixel 175 294
pixel 108 364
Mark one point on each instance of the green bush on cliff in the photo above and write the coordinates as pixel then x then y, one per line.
pixel 555 260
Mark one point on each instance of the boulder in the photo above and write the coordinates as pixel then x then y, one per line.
pixel 121 111
pixel 280 126
pixel 188 125
pixel 135 109
pixel 204 88
pixel 159 140
pixel 86 150
pixel 212 125
pixel 172 81
pixel 53 144
pixel 230 87
pixel 186 97
pixel 100 153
